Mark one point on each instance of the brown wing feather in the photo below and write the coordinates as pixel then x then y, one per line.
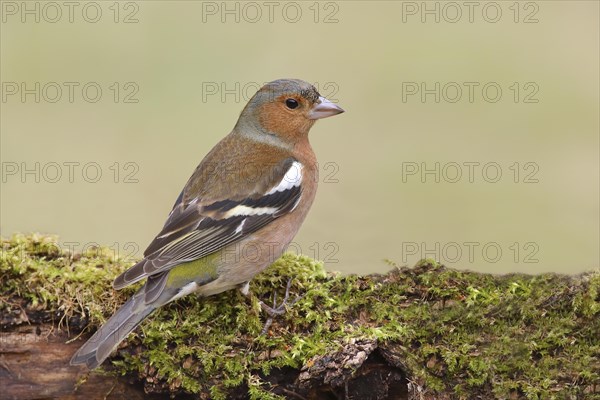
pixel 197 227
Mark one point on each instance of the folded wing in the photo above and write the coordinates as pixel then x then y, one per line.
pixel 196 227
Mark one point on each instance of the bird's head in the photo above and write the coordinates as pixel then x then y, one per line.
pixel 287 108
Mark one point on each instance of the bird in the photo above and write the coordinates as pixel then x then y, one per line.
pixel 235 216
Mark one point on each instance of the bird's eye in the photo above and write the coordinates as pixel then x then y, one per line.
pixel 291 104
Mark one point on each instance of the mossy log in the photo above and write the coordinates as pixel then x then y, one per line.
pixel 425 332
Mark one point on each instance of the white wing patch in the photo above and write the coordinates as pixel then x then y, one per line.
pixel 292 178
pixel 240 210
pixel 240 226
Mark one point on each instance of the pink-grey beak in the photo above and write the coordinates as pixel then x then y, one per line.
pixel 324 108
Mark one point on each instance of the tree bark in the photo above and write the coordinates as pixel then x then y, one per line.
pixel 34 364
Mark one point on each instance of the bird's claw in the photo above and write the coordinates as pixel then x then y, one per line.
pixel 277 310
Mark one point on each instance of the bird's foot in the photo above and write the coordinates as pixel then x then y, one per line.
pixel 280 309
pixel 277 309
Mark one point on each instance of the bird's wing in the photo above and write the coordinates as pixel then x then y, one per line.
pixel 197 228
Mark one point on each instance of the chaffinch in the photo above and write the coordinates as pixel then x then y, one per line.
pixel 236 214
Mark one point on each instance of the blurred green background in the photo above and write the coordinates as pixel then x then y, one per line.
pixel 174 76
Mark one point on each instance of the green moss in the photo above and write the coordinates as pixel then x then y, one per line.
pixel 36 269
pixel 459 333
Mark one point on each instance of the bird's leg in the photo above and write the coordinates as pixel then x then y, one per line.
pixel 279 309
pixel 245 289
pixel 276 310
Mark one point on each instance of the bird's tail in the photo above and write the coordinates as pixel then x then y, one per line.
pixel 106 339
